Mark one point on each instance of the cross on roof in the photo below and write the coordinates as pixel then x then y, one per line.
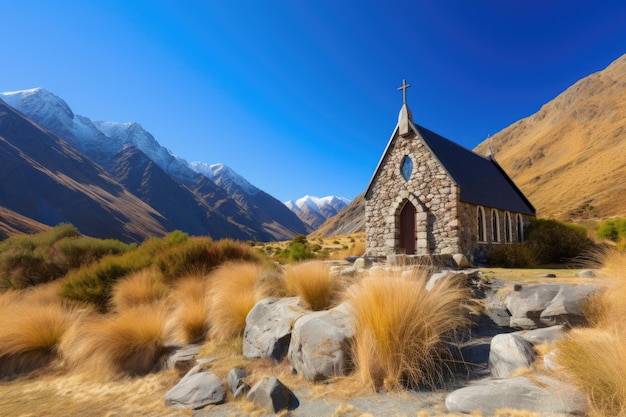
pixel 403 88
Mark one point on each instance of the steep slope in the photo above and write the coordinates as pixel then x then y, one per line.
pixel 314 211
pixel 45 179
pixel 242 215
pixel 12 223
pixel 351 219
pixel 569 158
pixel 256 203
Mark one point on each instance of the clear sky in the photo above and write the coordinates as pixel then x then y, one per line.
pixel 300 96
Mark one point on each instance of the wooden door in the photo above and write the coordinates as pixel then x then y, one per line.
pixel 407 229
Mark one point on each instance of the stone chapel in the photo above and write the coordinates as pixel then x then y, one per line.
pixel 431 196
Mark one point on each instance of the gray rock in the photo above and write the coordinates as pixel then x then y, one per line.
pixel 183 358
pixel 547 276
pixel 461 261
pixel 541 305
pixel 319 343
pixel 362 263
pixel 586 273
pixel 549 396
pixel 268 327
pixel 235 382
pixel 348 272
pixel 272 395
pixel 543 335
pixel 195 390
pixel 443 276
pixel 508 353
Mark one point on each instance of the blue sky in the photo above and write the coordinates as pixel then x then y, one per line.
pixel 299 96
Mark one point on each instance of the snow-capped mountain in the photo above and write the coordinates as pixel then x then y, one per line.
pixel 197 200
pixel 316 210
pixel 224 176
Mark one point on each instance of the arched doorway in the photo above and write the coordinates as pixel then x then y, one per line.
pixel 407 229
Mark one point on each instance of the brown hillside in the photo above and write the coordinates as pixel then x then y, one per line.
pixel 570 157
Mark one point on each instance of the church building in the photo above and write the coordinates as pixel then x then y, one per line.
pixel 431 196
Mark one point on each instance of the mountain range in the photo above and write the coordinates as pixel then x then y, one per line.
pixel 114 180
pixel 314 211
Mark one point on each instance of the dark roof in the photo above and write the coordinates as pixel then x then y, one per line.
pixel 481 180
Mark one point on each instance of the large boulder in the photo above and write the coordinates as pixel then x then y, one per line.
pixel 508 353
pixel 546 396
pixel 268 327
pixel 196 389
pixel 542 305
pixel 273 395
pixel 319 343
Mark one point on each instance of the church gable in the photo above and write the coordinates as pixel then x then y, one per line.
pixel 427 194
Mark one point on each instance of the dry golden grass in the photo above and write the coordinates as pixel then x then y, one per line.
pixel 30 335
pixel 313 282
pixel 234 292
pixel 130 342
pixel 595 358
pixel 191 311
pixel 142 287
pixel 401 329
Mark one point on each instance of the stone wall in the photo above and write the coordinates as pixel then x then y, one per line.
pixel 429 189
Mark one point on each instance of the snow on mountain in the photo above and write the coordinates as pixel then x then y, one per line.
pixel 224 176
pixel 316 210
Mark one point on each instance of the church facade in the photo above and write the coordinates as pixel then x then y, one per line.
pixel 431 196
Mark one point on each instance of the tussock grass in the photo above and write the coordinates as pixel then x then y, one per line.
pixel 191 314
pixel 142 287
pixel 595 358
pixel 312 281
pixel 130 342
pixel 402 329
pixel 30 335
pixel 234 292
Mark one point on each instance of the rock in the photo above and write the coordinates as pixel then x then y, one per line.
pixel 541 305
pixel 543 335
pixel 268 327
pixel 272 395
pixel 197 389
pixel 348 272
pixel 362 263
pixel 319 343
pixel 183 358
pixel 235 382
pixel 550 360
pixel 586 273
pixel 461 261
pixel 549 396
pixel 508 353
pixel 547 276
pixel 442 276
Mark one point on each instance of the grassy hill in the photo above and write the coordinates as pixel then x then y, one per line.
pixel 569 158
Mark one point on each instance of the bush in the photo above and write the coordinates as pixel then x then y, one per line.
pixel 515 255
pixel 32 260
pixel 555 242
pixel 141 287
pixel 191 314
pixel 234 291
pixel 30 335
pixel 298 249
pixel 185 257
pixel 127 343
pixel 614 229
pixel 313 282
pixel 402 330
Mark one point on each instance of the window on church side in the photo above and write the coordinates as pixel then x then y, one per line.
pixel 482 235
pixel 407 167
pixel 508 236
pixel 495 226
pixel 520 228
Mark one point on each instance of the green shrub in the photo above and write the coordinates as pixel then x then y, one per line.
pixel 84 250
pixel 94 285
pixel 555 242
pixel 183 258
pixel 298 249
pixel 614 229
pixel 176 237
